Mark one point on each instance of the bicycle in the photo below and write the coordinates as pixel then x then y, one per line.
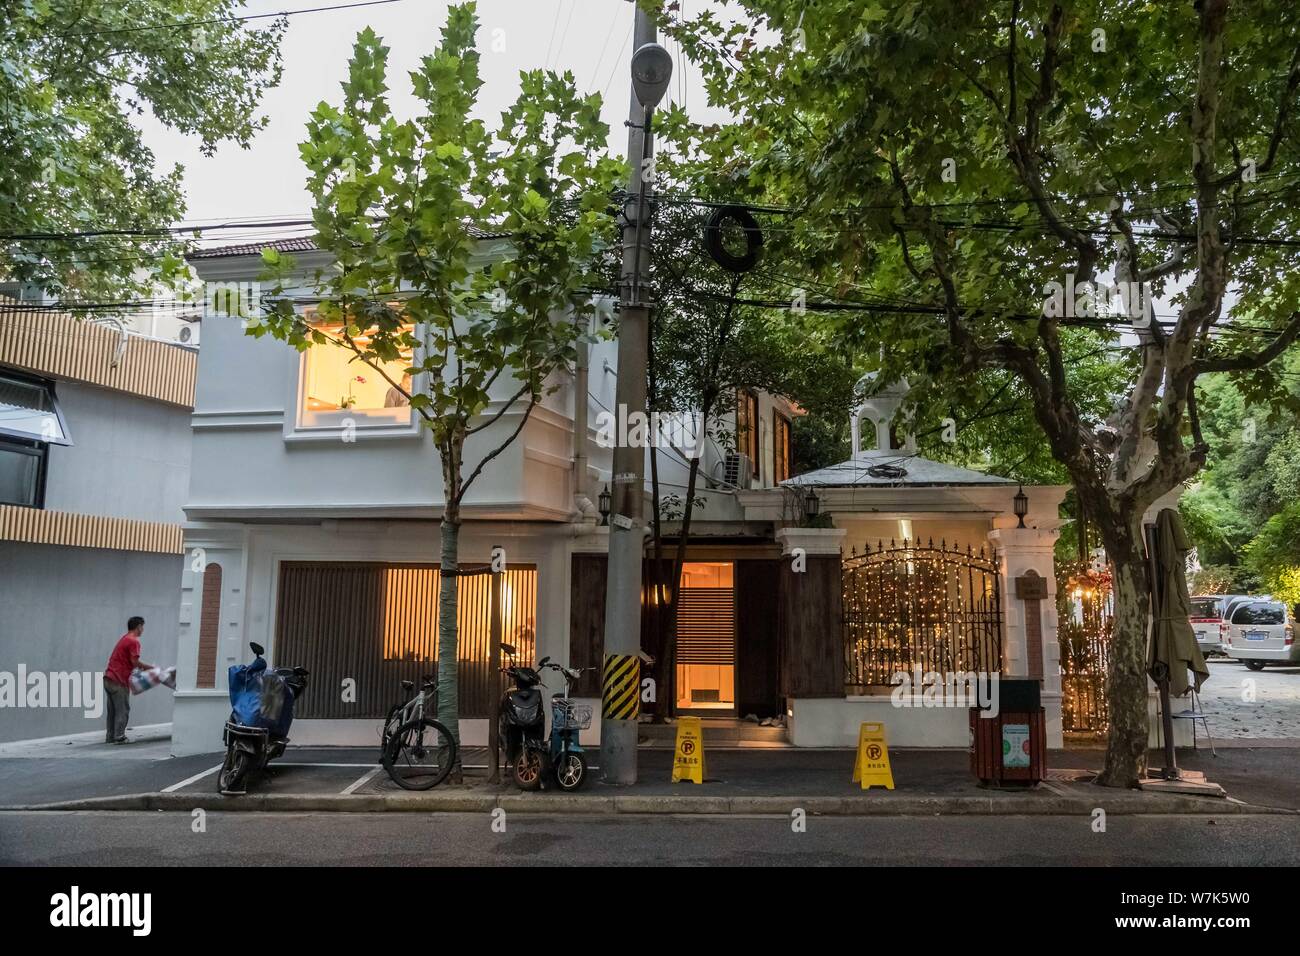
pixel 416 750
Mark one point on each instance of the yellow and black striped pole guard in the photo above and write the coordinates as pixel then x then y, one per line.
pixel 621 687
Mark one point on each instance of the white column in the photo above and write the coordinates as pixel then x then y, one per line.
pixel 811 540
pixel 1020 551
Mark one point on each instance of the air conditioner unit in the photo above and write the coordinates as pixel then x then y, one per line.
pixel 738 471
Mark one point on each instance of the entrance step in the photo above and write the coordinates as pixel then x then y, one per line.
pixel 740 734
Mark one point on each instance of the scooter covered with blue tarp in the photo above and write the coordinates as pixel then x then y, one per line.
pixel 262 702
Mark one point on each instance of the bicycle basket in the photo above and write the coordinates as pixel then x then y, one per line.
pixel 571 716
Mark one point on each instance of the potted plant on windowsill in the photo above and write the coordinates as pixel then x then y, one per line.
pixel 348 400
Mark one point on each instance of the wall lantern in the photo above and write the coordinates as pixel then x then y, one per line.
pixel 812 505
pixel 604 499
pixel 1021 503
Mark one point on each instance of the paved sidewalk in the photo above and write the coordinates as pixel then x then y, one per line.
pixel 147 742
pixel 818 781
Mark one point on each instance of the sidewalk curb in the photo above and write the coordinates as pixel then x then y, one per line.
pixel 1121 802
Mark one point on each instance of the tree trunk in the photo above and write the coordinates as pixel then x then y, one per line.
pixel 1126 683
pixel 448 682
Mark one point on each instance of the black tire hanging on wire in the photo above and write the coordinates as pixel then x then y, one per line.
pixel 723 217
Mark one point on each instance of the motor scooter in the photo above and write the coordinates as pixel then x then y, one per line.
pixel 530 757
pixel 257 732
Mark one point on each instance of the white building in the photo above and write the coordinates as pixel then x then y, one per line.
pixel 94 469
pixel 312 522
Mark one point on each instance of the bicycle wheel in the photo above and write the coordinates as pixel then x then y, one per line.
pixel 420 754
pixel 392 723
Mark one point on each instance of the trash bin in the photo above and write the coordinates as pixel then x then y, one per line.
pixel 1010 749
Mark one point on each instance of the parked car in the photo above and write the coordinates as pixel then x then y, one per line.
pixel 1261 632
pixel 1208 620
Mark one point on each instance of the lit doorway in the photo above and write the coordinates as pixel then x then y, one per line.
pixel 706 639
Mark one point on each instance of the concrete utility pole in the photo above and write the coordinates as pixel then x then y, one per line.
pixel 621 676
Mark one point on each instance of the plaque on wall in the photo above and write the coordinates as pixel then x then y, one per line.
pixel 1031 587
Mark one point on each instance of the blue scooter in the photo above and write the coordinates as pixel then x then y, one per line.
pixel 257 732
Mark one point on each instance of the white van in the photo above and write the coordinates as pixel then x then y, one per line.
pixel 1261 632
pixel 1208 621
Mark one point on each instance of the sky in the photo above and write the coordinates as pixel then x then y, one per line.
pixel 592 38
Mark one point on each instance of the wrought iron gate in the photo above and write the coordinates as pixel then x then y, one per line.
pixel 917 605
pixel 1084 607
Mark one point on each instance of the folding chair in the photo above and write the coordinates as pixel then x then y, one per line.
pixel 1195 713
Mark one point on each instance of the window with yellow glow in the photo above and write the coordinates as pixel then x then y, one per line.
pixel 411 596
pixel 337 386
pixel 706 637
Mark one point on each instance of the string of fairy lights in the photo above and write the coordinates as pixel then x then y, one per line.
pixel 913 604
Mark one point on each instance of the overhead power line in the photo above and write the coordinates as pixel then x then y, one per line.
pixel 190 24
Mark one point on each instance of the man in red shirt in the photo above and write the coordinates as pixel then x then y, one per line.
pixel 117 680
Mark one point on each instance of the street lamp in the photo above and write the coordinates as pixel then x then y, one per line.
pixel 652 68
pixel 1021 505
pixel 651 71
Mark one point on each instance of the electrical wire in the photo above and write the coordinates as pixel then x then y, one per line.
pixel 190 24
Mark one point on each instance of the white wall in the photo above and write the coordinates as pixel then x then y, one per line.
pixel 63 609
pixel 130 457
pixel 835 723
pixel 250 557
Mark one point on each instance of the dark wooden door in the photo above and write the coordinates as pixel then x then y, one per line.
pixel 587 621
pixel 811 629
pixel 757 585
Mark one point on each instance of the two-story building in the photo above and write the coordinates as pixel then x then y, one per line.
pixel 313 528
pixel 94 469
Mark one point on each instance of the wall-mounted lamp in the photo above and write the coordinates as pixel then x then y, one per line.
pixel 1021 505
pixel 604 499
pixel 812 505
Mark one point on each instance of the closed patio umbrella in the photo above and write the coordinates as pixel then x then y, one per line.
pixel 1173 652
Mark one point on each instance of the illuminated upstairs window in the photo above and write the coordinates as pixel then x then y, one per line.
pixel 337 387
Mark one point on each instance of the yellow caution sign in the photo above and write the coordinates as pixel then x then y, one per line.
pixel 872 764
pixel 688 758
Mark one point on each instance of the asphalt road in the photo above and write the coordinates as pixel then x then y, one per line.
pixel 408 839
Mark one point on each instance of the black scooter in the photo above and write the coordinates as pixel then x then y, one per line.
pixel 522 727
pixel 250 746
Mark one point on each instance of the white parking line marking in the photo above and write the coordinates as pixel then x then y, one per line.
pixel 291 763
pixel 189 780
pixel 362 781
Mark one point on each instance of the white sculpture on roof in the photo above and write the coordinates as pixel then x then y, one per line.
pixel 879 408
